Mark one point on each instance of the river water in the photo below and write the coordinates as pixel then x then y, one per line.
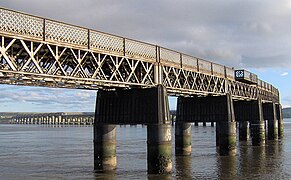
pixel 47 152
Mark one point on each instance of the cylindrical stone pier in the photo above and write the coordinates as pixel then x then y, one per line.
pixel 227 138
pixel 159 148
pixel 196 123
pixel 280 121
pixel 280 129
pixel 270 114
pixel 104 147
pixel 244 131
pixel 258 133
pixel 273 129
pixel 183 138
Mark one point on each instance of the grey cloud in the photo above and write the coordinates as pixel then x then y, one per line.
pixel 49 98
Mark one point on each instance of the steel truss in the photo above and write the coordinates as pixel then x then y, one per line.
pixel 41 52
pixel 43 62
pixel 184 81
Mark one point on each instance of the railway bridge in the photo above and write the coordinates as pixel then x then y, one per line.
pixel 134 80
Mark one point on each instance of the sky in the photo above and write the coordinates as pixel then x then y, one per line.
pixel 250 34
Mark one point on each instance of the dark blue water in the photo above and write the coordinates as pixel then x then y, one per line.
pixel 46 152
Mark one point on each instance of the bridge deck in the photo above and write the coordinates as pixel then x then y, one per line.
pixel 42 52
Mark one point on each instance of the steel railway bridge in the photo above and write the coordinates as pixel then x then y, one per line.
pixel 133 80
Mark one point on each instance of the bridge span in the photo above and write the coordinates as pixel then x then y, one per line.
pixel 134 80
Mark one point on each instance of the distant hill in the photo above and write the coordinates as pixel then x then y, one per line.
pixel 287 112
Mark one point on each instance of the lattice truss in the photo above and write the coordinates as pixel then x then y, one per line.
pixel 181 79
pixel 35 58
pixel 238 89
pixel 268 96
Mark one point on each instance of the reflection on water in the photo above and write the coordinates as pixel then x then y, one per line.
pixel 227 167
pixel 41 152
pixel 183 167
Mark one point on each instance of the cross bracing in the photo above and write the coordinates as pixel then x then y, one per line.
pixel 41 52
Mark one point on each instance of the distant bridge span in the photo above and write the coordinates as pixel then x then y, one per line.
pixel 36 51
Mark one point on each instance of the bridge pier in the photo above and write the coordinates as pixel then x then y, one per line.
pixel 269 110
pixel 280 121
pixel 182 131
pixel 183 138
pixel 227 138
pixel 252 112
pixel 244 131
pixel 135 106
pixel 227 128
pixel 206 109
pixel 104 147
pixel 258 133
pixel 258 125
pixel 159 148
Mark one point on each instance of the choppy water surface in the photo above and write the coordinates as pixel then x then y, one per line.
pixel 42 152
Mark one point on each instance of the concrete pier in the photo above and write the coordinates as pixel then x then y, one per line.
pixel 257 123
pixel 250 113
pixel 207 109
pixel 135 106
pixel 159 148
pixel 104 147
pixel 269 111
pixel 183 138
pixel 227 128
pixel 280 121
pixel 227 138
pixel 258 133
pixel 273 129
pixel 244 130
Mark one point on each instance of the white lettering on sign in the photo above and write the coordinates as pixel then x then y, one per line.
pixel 239 74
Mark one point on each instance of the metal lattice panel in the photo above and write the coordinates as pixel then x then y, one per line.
pixel 229 73
pixel 167 56
pixel 189 61
pixel 242 90
pixel 218 70
pixel 21 24
pixel 204 66
pixel 46 60
pixel 141 50
pixel 180 79
pixel 65 33
pixel 106 42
